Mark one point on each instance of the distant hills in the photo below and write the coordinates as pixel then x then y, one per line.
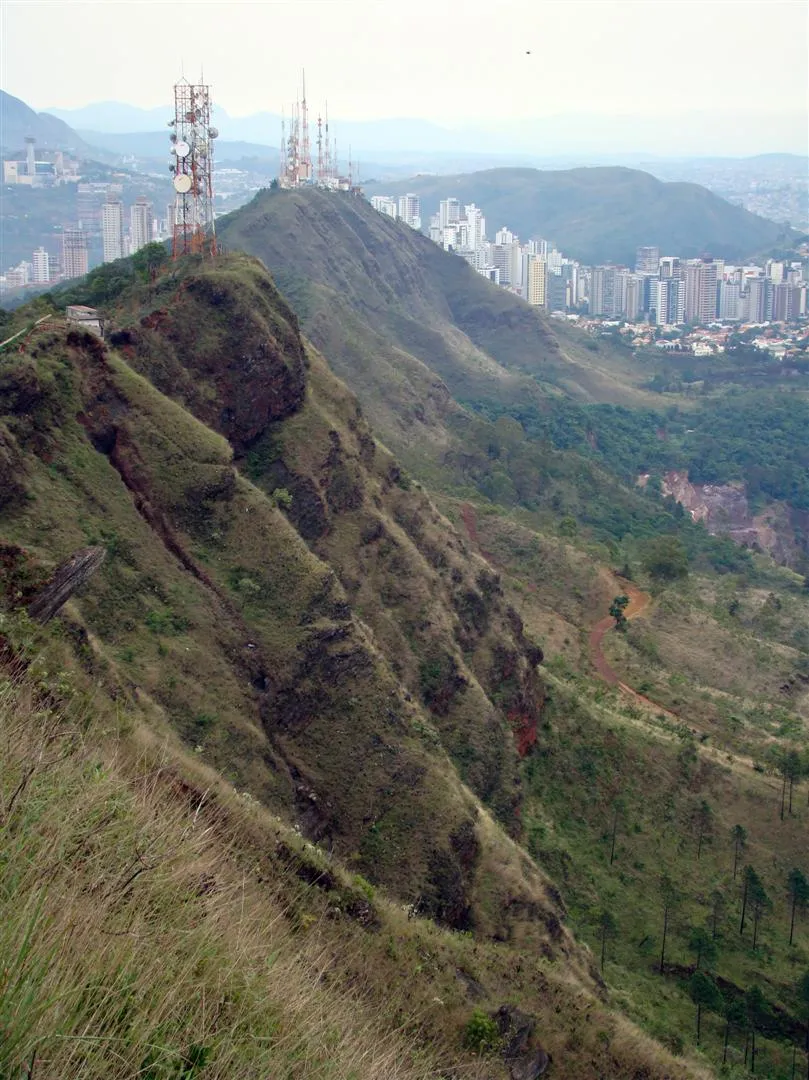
pixel 155 144
pixel 590 134
pixel 18 121
pixel 601 214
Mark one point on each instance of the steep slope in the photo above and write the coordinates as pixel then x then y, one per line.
pixel 338 693
pixel 601 215
pixel 255 653
pixel 392 311
pixel 18 121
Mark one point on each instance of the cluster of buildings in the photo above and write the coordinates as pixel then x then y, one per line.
pixel 48 168
pixel 106 228
pixel 660 289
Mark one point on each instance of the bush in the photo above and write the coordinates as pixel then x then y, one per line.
pixel 481 1033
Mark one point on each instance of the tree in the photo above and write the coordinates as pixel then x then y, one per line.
pixel 148 260
pixel 739 836
pixel 617 608
pixel 794 769
pixel 703 944
pixel 669 896
pixel 702 818
pixel 665 558
pixel 607 929
pixel 803 1004
pixel 735 1017
pixel 717 910
pixel 755 1006
pixel 751 883
pixel 762 903
pixel 798 888
pixel 618 809
pixel 705 995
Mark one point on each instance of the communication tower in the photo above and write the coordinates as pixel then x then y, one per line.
pixel 192 139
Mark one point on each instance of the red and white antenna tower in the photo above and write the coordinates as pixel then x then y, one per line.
pixel 321 169
pixel 282 164
pixel 192 140
pixel 306 155
pixel 329 164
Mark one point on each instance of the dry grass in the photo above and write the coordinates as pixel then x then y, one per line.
pixel 133 944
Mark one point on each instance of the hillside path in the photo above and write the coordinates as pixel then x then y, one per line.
pixel 639 601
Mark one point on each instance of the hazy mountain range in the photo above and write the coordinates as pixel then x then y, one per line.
pixel 609 139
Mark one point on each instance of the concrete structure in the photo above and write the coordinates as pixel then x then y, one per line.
pixel 74 253
pixel 647 260
pixel 449 212
pixel 410 210
pixel 536 278
pixel 84 318
pixel 700 291
pixel 669 301
pixel 385 204
pixel 112 229
pixel 729 301
pixel 42 273
pixel 141 224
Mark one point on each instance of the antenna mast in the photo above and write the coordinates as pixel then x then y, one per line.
pixel 306 156
pixel 192 140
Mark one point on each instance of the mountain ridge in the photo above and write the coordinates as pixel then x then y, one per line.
pixel 603 213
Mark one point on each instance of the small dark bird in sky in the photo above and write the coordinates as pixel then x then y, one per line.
pixel 527 52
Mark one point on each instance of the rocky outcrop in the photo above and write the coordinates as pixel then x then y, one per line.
pixel 724 509
pixel 228 346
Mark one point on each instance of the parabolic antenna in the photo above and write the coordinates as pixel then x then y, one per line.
pixel 182 183
pixel 213 133
pixel 182 149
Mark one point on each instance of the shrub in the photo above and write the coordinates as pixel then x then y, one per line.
pixel 481 1033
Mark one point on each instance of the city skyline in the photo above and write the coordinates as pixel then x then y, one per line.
pixel 571 59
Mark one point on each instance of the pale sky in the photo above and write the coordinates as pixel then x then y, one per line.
pixel 452 62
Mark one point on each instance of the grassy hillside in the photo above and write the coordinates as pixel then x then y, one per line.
pixel 473 777
pixel 284 615
pixel 600 215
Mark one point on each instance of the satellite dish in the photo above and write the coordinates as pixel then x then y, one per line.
pixel 213 133
pixel 182 149
pixel 182 183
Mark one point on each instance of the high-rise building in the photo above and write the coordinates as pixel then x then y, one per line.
pixel 668 300
pixel 410 210
pixel 385 204
pixel 633 306
pixel 141 221
pixel 670 267
pixel 112 229
pixel 74 253
pixel 647 260
pixel 555 291
pixel 605 291
pixel 536 280
pixel 729 297
pixel 41 272
pixel 700 291
pixel 786 302
pixel 449 212
pixel 475 225
pixel 757 304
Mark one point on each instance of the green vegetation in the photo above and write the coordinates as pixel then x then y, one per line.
pixel 287 624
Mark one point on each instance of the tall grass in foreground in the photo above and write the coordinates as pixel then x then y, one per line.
pixel 131 945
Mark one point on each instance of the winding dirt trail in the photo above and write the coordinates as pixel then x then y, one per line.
pixel 639 601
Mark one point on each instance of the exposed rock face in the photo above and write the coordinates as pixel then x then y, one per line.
pixel 231 334
pixel 724 510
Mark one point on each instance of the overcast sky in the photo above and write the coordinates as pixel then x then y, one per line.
pixel 453 61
